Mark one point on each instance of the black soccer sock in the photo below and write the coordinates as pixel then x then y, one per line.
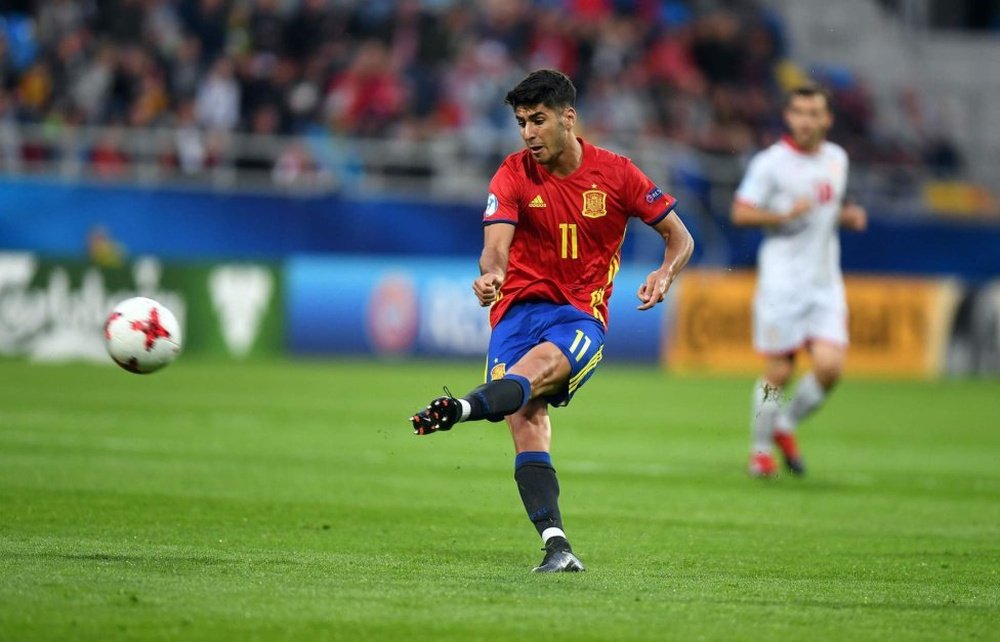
pixel 497 399
pixel 539 488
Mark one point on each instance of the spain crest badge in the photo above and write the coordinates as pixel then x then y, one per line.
pixel 594 203
pixel 498 371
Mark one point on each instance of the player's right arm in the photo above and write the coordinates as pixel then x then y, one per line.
pixel 499 222
pixel 754 191
pixel 493 262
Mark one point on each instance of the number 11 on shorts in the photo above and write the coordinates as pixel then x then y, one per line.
pixel 580 337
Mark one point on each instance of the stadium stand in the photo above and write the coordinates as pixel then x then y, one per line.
pixel 279 93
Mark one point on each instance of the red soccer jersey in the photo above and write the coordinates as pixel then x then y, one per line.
pixel 567 245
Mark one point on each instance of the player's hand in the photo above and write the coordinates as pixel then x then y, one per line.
pixel 799 207
pixel 487 288
pixel 654 289
pixel 854 217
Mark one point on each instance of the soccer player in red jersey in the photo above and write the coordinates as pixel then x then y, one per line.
pixel 554 224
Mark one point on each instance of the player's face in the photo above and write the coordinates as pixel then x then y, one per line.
pixel 808 119
pixel 546 131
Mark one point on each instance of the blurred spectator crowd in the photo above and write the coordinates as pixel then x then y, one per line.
pixel 708 74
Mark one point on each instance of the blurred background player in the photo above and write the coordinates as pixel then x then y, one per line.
pixel 795 191
pixel 554 222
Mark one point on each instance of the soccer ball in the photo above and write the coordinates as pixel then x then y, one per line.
pixel 142 335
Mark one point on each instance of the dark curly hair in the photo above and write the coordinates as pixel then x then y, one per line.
pixel 546 87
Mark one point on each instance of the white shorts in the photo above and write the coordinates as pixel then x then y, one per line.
pixel 783 324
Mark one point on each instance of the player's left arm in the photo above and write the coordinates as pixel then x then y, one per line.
pixel 851 216
pixel 679 246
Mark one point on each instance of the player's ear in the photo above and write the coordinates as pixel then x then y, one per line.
pixel 569 117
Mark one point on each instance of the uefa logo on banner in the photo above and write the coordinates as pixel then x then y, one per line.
pixel 393 315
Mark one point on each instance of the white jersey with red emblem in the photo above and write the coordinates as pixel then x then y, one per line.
pixel 798 262
pixel 804 253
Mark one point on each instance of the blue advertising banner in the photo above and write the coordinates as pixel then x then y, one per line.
pixel 397 308
pixel 55 219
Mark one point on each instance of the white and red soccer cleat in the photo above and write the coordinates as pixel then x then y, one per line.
pixel 762 465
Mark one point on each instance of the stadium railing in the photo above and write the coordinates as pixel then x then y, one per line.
pixel 446 167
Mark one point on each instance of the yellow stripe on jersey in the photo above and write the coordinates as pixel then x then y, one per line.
pixel 596 299
pixel 597 296
pixel 576 380
pixel 616 262
pixel 613 269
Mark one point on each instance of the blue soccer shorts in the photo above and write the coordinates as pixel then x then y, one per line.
pixel 525 325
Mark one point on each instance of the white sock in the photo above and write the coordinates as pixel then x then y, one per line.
pixel 809 396
pixel 766 404
pixel 464 409
pixel 551 532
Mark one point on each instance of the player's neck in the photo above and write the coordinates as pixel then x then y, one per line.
pixel 803 148
pixel 568 161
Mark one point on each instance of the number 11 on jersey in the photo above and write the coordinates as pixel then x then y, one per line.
pixel 568 233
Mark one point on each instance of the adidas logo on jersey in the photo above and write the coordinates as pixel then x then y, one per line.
pixel 537 202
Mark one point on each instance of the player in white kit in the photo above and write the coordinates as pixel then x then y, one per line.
pixel 795 191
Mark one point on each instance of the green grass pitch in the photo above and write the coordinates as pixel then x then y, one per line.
pixel 286 500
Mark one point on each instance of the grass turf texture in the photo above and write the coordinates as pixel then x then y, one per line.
pixel 290 501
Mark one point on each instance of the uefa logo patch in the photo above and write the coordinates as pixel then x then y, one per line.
pixel 653 194
pixel 492 204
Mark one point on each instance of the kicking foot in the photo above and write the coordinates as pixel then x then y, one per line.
pixel 559 558
pixel 440 414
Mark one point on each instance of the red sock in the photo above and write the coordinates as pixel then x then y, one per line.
pixel 786 441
